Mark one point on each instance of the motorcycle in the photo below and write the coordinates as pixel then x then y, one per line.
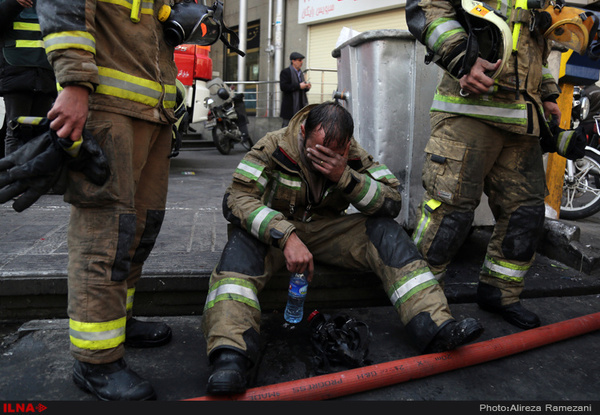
pixel 227 117
pixel 581 186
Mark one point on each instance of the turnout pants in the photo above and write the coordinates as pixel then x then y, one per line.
pixel 232 312
pixel 112 230
pixel 465 157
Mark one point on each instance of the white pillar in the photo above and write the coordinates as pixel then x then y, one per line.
pixel 279 19
pixel 243 34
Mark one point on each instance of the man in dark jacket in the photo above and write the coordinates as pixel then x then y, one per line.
pixel 294 87
pixel 27 80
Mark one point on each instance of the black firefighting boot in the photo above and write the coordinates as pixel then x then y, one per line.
pixel 146 334
pixel 112 381
pixel 431 338
pixel 229 375
pixel 453 334
pixel 489 299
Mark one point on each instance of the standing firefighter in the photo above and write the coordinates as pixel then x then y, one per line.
pixel 118 79
pixel 286 206
pixel 114 62
pixel 489 111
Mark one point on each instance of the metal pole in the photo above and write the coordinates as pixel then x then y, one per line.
pixel 270 52
pixel 279 14
pixel 243 34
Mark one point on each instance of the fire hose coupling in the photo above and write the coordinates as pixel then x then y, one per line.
pixel 190 22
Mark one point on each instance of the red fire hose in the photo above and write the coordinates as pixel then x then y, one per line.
pixel 384 374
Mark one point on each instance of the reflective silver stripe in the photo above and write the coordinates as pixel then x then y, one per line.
pixel 97 335
pixel 440 30
pixel 130 297
pixel 479 110
pixel 294 183
pixel 68 40
pixel 504 8
pixel 563 141
pixel 409 285
pixel 136 88
pixel 259 219
pixel 146 6
pixel 379 172
pixel 368 197
pixel 170 96
pixel 510 272
pixel 422 225
pixel 249 170
pixel 232 289
pixel 428 208
pixel 253 171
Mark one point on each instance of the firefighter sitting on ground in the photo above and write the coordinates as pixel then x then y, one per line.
pixel 286 205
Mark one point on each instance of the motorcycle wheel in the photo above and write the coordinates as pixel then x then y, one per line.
pixel 581 196
pixel 247 143
pixel 221 140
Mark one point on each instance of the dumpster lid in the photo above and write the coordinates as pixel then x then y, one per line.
pixel 370 36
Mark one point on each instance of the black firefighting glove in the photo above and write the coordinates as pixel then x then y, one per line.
pixel 41 164
pixel 567 143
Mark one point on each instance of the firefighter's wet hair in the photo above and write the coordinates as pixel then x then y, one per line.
pixel 335 120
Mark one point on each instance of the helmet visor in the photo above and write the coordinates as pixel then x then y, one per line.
pixel 570 35
pixel 206 32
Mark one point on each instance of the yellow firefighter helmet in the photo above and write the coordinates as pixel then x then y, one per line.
pixel 571 27
pixel 494 37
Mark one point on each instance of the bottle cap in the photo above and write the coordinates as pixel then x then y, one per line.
pixel 313 315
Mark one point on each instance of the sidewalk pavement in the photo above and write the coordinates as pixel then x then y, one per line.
pixel 36 365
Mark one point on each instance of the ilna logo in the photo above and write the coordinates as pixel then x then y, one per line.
pixel 23 407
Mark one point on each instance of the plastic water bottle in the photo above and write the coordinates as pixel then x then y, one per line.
pixel 294 308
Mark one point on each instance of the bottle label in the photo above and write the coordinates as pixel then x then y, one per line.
pixel 299 290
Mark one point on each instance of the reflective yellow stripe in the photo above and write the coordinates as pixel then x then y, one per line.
pixel 170 96
pixel 34 27
pixel 97 336
pixel 147 6
pixel 29 44
pixel 411 284
pixel 130 295
pixel 70 40
pixel 520 4
pixel 133 88
pixel 232 289
pixel 429 207
pixel 504 270
pixel 29 120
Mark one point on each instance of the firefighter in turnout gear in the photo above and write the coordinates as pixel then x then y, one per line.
pixel 117 77
pixel 27 81
pixel 486 127
pixel 287 208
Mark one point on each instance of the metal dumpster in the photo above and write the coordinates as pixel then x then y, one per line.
pixel 385 84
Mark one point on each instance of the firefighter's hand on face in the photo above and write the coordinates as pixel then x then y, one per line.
pixel 297 256
pixel 552 111
pixel 328 162
pixel 477 81
pixel 69 112
pixel 26 3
